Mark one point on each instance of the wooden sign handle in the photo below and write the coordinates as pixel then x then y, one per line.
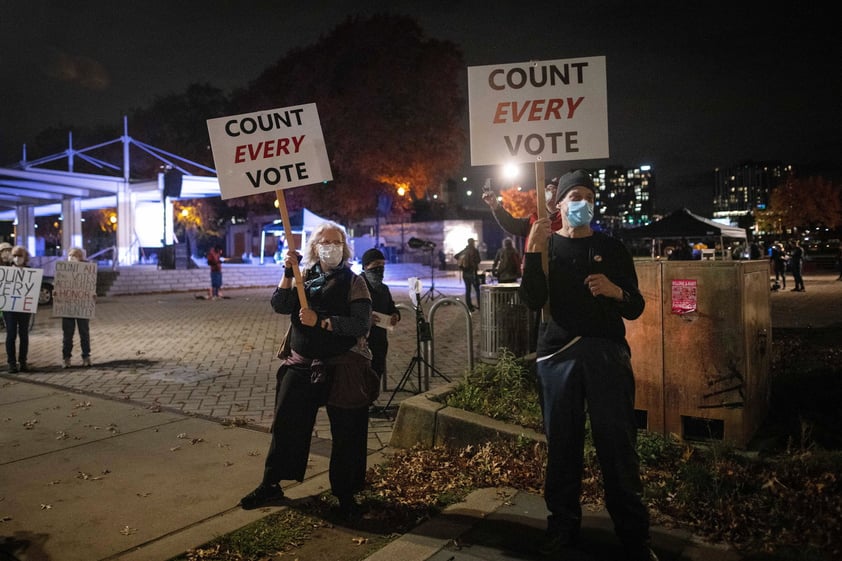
pixel 299 283
pixel 541 201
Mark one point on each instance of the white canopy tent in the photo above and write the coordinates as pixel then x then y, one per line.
pixel 302 222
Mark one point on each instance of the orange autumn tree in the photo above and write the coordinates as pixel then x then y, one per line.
pixel 519 202
pixel 802 203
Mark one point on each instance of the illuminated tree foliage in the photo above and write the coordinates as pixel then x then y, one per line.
pixel 520 203
pixel 390 106
pixel 801 203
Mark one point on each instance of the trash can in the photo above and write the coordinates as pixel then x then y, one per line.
pixel 504 321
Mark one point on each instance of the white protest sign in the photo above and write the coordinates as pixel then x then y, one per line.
pixel 538 111
pixel 269 150
pixel 19 289
pixel 74 290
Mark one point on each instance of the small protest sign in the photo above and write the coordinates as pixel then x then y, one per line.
pixel 684 296
pixel 19 289
pixel 538 111
pixel 74 290
pixel 269 150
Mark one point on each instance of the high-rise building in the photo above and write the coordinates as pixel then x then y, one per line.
pixel 624 196
pixel 742 189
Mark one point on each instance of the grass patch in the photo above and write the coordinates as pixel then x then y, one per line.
pixel 268 537
pixel 505 390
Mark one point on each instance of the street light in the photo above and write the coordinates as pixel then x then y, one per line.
pixel 511 171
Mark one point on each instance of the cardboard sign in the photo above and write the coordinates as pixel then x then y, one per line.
pixel 269 150
pixel 19 289
pixel 538 111
pixel 74 290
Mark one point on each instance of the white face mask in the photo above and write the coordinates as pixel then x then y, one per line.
pixel 73 258
pixel 18 260
pixel 330 255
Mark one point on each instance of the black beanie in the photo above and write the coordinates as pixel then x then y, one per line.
pixel 372 254
pixel 571 179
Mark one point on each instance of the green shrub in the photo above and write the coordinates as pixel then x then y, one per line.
pixel 505 391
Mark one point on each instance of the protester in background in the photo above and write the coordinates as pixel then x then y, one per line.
pixel 506 265
pixel 796 265
pixel 839 262
pixel 584 367
pixel 683 252
pixel 17 323
pixel 777 256
pixel 374 267
pixel 469 260
pixel 5 254
pixel 520 226
pixel 69 324
pixel 325 361
pixel 754 252
pixel 215 264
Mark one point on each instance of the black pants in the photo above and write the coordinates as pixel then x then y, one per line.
pixel 68 328
pixel 378 342
pixel 297 402
pixel 471 280
pixel 17 325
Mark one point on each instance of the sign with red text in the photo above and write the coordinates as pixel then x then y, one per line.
pixel 19 289
pixel 74 290
pixel 269 150
pixel 684 296
pixel 538 111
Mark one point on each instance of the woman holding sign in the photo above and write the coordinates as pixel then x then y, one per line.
pixel 17 323
pixel 326 361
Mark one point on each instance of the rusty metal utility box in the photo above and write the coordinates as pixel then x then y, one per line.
pixel 701 350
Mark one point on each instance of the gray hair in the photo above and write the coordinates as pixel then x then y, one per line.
pixel 311 252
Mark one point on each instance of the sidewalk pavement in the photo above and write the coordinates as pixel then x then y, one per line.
pixel 147 453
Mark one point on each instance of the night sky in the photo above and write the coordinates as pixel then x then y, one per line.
pixel 689 88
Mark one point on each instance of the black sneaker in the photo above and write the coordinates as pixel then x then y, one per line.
pixel 349 508
pixel 13 368
pixel 264 495
pixel 641 553
pixel 555 542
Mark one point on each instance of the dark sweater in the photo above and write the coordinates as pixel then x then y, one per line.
pixel 329 296
pixel 574 311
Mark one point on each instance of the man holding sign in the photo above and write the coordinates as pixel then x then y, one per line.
pixel 74 298
pixel 584 366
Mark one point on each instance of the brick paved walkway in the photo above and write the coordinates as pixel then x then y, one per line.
pixel 217 358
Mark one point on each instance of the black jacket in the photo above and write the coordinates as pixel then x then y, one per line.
pixel 574 311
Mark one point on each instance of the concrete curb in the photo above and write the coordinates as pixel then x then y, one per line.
pixel 425 420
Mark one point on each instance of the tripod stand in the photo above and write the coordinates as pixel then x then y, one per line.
pixel 432 293
pixel 422 333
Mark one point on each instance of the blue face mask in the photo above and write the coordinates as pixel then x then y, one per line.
pixel 579 213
